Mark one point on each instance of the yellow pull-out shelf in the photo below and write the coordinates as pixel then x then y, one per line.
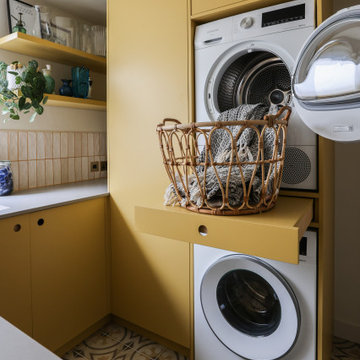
pixel 274 234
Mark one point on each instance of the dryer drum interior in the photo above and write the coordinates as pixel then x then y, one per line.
pixel 256 77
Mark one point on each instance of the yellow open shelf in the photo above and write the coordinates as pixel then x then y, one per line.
pixel 274 234
pixel 32 46
pixel 76 103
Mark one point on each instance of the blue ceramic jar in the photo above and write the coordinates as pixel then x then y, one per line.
pixel 66 89
pixel 6 181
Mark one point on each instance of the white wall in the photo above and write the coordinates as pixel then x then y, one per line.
pixel 347 232
pixel 55 118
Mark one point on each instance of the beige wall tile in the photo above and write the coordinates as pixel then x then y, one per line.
pixel 48 145
pixel 13 146
pixel 23 145
pixel 32 174
pixel 102 144
pixel 84 144
pixel 85 168
pixel 71 144
pixel 15 173
pixel 77 144
pixel 71 171
pixel 56 145
pixel 4 145
pixel 31 145
pixel 40 145
pixel 57 171
pixel 78 173
pixel 49 173
pixel 97 144
pixel 64 145
pixel 64 171
pixel 40 173
pixel 97 173
pixel 90 144
pixel 23 175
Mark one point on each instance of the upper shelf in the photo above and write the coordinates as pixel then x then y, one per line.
pixel 30 45
pixel 76 103
pixel 274 234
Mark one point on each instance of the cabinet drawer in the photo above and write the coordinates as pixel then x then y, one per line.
pixel 199 6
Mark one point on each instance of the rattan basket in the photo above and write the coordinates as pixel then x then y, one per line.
pixel 189 162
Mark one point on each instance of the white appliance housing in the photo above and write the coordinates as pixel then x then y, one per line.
pixel 222 329
pixel 269 41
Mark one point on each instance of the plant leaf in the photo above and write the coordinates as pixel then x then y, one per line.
pixel 46 98
pixel 15 116
pixel 33 116
pixel 21 103
pixel 13 72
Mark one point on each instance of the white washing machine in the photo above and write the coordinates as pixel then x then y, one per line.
pixel 250 58
pixel 247 307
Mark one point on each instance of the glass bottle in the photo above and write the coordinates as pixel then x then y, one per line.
pixel 19 27
pixel 50 82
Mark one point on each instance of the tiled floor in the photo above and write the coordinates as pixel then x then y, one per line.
pixel 345 350
pixel 114 342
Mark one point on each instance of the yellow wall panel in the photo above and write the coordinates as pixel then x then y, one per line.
pixel 147 81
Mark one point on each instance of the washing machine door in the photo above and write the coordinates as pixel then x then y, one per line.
pixel 250 307
pixel 326 81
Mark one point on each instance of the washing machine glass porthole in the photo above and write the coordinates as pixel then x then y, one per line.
pixel 248 303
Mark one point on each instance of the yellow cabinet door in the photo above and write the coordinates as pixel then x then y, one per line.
pixel 147 82
pixel 199 6
pixel 68 266
pixel 15 285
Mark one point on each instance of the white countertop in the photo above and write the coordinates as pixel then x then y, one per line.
pixel 16 345
pixel 22 202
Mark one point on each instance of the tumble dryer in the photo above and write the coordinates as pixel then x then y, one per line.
pixel 247 307
pixel 250 58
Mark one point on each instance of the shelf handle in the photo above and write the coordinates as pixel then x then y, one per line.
pixel 41 222
pixel 17 227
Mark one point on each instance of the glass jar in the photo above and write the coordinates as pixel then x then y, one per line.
pixel 6 180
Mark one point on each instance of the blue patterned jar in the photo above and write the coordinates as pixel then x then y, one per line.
pixel 6 181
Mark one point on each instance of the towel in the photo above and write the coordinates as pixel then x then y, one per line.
pixel 215 177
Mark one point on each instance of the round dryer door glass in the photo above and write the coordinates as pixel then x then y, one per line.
pixel 327 77
pixel 250 307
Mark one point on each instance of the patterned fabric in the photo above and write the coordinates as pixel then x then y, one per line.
pixel 221 143
pixel 114 342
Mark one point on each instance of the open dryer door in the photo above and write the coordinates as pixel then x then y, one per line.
pixel 326 81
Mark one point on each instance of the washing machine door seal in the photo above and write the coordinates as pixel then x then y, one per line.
pixel 250 307
pixel 326 80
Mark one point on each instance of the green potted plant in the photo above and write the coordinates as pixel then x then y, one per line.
pixel 30 93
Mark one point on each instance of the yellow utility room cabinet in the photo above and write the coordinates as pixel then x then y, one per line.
pixel 151 77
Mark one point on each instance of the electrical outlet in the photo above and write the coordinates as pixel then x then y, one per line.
pixel 103 165
pixel 94 166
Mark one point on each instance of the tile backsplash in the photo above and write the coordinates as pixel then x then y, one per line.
pixel 44 158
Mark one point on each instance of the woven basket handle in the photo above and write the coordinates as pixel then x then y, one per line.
pixel 169 120
pixel 272 118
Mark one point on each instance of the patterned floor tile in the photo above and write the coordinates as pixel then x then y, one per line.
pixel 345 350
pixel 114 342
